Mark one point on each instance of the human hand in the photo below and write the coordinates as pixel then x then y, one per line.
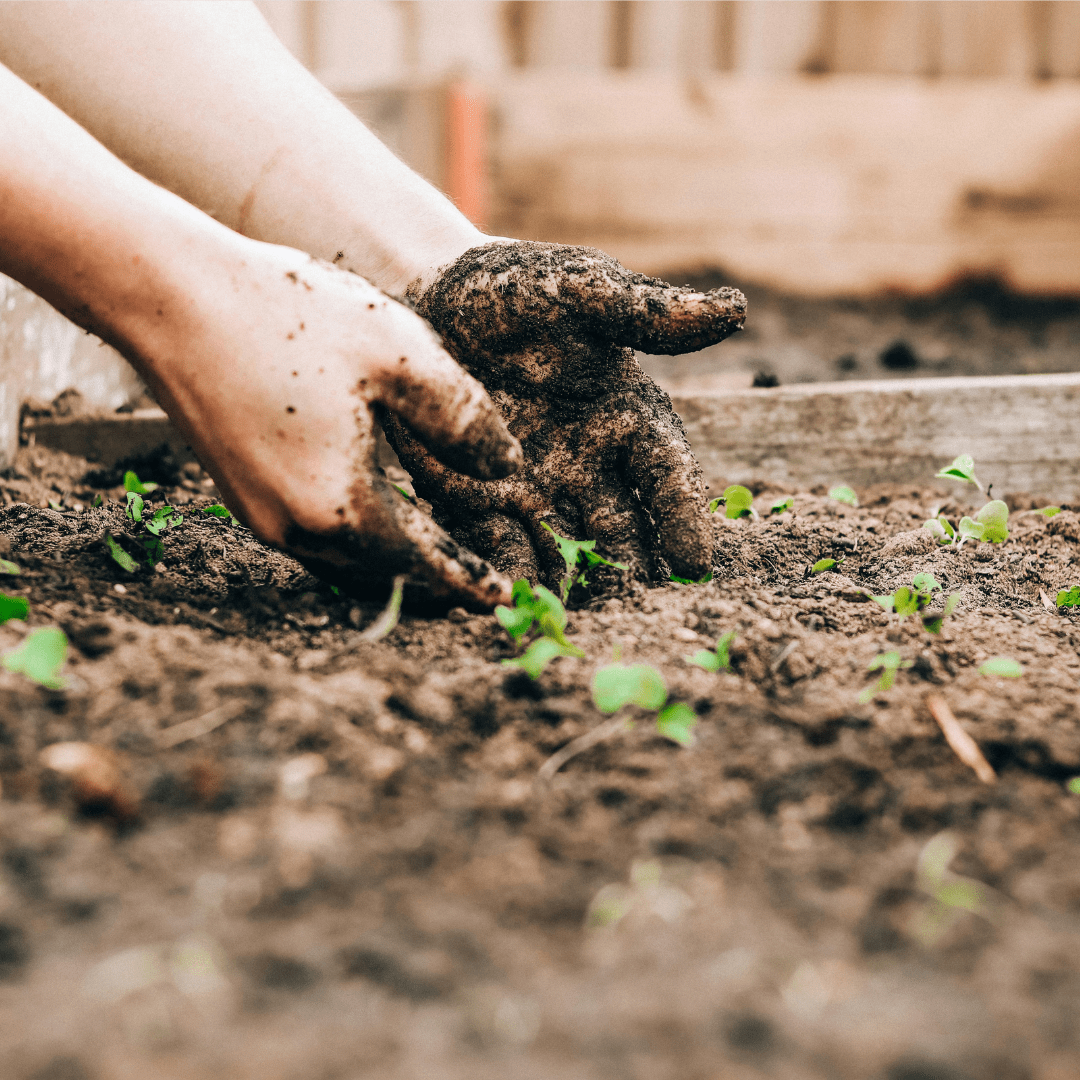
pixel 273 369
pixel 550 331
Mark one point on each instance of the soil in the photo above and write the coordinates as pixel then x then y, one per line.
pixel 349 868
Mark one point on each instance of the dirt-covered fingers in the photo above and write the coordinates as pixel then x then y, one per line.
pixel 669 319
pixel 448 410
pixel 620 528
pixel 503 541
pixel 663 468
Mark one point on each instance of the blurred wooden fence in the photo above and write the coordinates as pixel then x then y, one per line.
pixel 355 44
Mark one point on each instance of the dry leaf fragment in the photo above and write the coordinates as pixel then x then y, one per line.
pixel 96 779
pixel 1046 601
pixel 963 745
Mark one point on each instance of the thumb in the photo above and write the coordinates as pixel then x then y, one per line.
pixel 669 319
pixel 448 409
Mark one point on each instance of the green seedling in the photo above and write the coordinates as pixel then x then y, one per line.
pixel 54 504
pixel 737 501
pixel 940 529
pixel 704 580
pixel 98 500
pixel 574 552
pixel 1069 597
pixel 842 493
pixel 778 506
pixel 133 484
pixel 1049 511
pixel 40 657
pixel 963 468
pixel 401 491
pixel 223 512
pixel 1073 786
pixel 994 518
pixel 8 567
pixel 825 564
pixel 912 601
pixel 950 894
pixel 120 556
pixel 888 664
pixel 135 506
pixel 160 521
pixel 714 661
pixel 618 685
pixel 13 607
pixel 542 608
pixel 1002 666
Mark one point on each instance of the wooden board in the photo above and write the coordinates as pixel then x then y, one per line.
pixel 1023 431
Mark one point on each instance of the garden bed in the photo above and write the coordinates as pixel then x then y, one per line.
pixel 323 856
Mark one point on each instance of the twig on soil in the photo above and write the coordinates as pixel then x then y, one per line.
pixel 579 746
pixel 963 745
pixel 1046 601
pixel 199 725
pixel 389 617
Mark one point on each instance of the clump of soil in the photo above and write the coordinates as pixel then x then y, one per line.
pixel 348 869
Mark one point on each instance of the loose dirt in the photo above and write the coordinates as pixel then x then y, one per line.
pixel 347 869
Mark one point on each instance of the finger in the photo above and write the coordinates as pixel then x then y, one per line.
pixel 447 409
pixel 504 542
pixel 620 528
pixel 668 477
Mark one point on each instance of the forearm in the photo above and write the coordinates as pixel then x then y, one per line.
pixel 202 98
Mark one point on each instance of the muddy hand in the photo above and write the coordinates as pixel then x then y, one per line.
pixel 551 331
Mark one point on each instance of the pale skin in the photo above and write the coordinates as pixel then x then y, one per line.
pixel 167 172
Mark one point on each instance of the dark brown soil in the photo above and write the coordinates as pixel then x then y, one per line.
pixel 355 874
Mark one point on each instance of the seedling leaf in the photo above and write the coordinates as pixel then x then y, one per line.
pixel 8 567
pixel 714 661
pixel 738 502
pixel 1074 785
pixel 715 504
pixel 842 493
pixel 994 517
pixel 617 685
pixel 778 506
pixel 572 552
pixel 704 580
pixel 40 657
pixel 1002 666
pixel 825 564
pixel 889 664
pixel 1049 511
pixel 1069 597
pixel 677 722
pixel 887 602
pixel 933 621
pixel 516 621
pixel 402 491
pixel 219 511
pixel 133 483
pixel 925 583
pixel 963 468
pixel 98 500
pixel 970 529
pixel 135 506
pixel 539 654
pixel 13 607
pixel 120 556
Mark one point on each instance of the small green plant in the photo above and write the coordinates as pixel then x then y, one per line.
pixel 950 894
pixel 219 511
pixel 98 500
pixel 132 483
pixel 825 564
pixel 1069 597
pixel 8 567
pixel 13 607
pixel 573 553
pixel 160 521
pixel 778 506
pixel 119 555
pixel 1073 786
pixel 962 468
pixel 40 657
pixel 1049 511
pixel 911 601
pixel 842 493
pixel 1002 666
pixel 888 664
pixel 737 501
pixel 542 608
pixel 720 660
pixel 940 529
pixel 618 685
pixel 703 580
pixel 990 524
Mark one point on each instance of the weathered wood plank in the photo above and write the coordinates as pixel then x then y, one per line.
pixel 1022 430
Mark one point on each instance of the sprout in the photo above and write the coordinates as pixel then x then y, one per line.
pixel 543 608
pixel 120 556
pixel 889 664
pixel 573 552
pixel 677 722
pixel 617 685
pixel 703 580
pixel 1002 666
pixel 219 511
pixel 1069 597
pixel 8 567
pixel 844 494
pixel 737 501
pixel 40 657
pixel 13 607
pixel 778 506
pixel 963 468
pixel 994 518
pixel 825 564
pixel 133 484
pixel 1049 511
pixel 714 661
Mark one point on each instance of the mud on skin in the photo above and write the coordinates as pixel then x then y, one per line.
pixel 418 908
pixel 551 331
